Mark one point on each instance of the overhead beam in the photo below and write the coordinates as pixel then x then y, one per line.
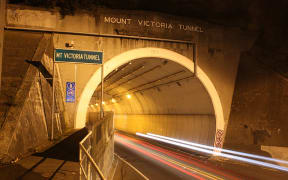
pixel 136 76
pixel 97 35
pixel 135 89
pixel 125 75
pixel 164 84
pixel 109 76
pixel 157 80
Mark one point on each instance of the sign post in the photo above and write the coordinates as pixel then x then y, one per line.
pixel 73 56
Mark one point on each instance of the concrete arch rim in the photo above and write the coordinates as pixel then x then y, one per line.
pixel 146 52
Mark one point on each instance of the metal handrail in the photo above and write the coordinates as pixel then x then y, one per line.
pixel 89 159
pixel 46 30
pixel 132 167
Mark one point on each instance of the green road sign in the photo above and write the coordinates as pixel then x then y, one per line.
pixel 77 56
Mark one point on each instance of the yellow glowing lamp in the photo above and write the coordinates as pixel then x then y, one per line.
pixel 128 96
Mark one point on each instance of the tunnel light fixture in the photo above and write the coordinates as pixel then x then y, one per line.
pixel 113 100
pixel 128 96
pixel 220 149
pixel 103 102
pixel 96 104
pixel 123 76
pixel 229 156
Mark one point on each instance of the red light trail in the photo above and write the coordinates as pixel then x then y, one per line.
pixel 179 161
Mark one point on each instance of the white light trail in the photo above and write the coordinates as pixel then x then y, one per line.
pixel 221 150
pixel 213 152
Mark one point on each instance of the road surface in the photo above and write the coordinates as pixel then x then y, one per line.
pixel 161 163
pixel 158 162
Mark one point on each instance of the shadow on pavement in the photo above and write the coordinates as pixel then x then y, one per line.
pixel 55 172
pixel 28 171
pixel 17 172
pixel 67 149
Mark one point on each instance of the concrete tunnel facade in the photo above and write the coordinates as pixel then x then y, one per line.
pixel 235 99
pixel 217 63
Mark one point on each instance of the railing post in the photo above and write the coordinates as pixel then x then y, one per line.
pixel 89 170
pixel 89 160
pixel 80 161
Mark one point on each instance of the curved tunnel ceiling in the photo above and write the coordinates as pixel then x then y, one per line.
pixel 156 86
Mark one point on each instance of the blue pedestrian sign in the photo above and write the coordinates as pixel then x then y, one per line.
pixel 70 92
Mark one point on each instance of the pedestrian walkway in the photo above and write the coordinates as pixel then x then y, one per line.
pixel 57 162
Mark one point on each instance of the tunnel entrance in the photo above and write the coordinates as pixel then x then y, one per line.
pixel 154 95
pixel 179 76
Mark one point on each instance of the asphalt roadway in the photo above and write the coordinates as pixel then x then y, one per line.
pixel 154 160
pixel 158 162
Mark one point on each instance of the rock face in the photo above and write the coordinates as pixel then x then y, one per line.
pixel 14 65
pixel 26 95
pixel 23 120
pixel 2 24
pixel 259 108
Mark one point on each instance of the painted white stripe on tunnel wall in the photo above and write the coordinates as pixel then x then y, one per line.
pixel 130 55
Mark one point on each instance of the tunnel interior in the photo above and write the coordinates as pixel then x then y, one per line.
pixel 158 96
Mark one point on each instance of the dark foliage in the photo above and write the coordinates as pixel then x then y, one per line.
pixel 67 7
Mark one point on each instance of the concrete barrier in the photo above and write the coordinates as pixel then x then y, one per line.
pixel 102 140
pixel 194 128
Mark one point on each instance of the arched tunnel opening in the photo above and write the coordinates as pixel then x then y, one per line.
pixel 155 95
pixel 235 101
